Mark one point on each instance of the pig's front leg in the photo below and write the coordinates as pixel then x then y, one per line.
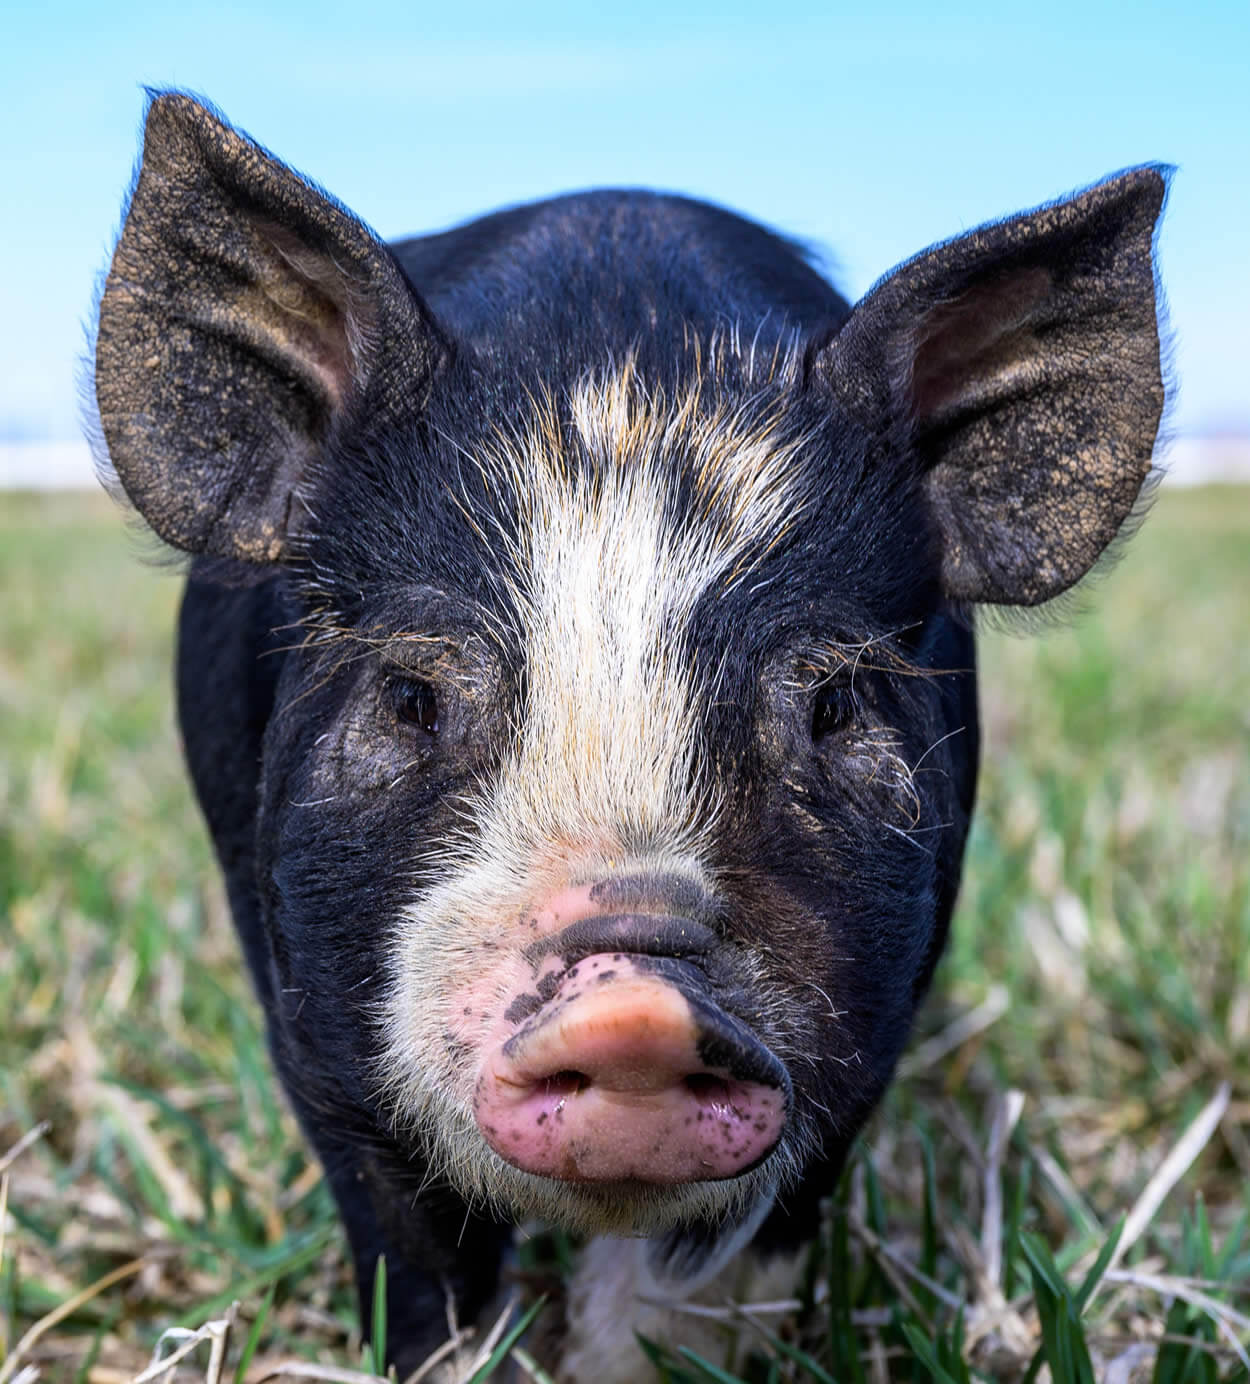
pixel 442 1260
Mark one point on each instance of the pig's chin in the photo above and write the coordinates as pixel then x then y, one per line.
pixel 628 1207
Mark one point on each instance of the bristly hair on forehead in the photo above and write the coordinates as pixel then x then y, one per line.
pixel 710 449
pixel 713 437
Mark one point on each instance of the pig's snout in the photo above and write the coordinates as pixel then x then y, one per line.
pixel 630 1072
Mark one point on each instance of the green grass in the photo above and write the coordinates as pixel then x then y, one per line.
pixel 1107 892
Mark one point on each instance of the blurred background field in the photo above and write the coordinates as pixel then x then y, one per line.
pixel 1100 967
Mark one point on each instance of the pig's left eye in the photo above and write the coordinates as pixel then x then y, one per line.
pixel 416 704
pixel 833 710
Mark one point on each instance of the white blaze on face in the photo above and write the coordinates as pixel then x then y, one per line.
pixel 608 574
pixel 604 771
pixel 608 585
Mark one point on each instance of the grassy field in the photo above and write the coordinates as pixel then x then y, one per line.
pixel 1059 1182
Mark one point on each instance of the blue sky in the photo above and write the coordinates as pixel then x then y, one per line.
pixel 871 130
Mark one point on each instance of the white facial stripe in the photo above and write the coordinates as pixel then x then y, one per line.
pixel 609 726
pixel 607 578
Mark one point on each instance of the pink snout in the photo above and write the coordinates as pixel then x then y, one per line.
pixel 622 1076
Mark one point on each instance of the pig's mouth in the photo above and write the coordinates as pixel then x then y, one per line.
pixel 627 1070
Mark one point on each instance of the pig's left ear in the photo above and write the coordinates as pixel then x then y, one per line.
pixel 1020 365
pixel 245 318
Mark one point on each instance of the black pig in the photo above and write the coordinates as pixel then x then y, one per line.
pixel 576 673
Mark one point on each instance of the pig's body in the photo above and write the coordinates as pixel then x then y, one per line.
pixel 576 676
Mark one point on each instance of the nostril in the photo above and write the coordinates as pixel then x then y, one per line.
pixel 566 1083
pixel 707 1089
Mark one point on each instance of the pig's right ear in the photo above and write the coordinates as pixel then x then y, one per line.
pixel 244 315
pixel 1017 367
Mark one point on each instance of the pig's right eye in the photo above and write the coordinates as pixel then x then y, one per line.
pixel 416 704
pixel 833 711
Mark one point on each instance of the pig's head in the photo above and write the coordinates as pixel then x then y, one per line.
pixel 616 784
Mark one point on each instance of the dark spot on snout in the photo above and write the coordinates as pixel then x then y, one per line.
pixel 654 893
pixel 521 1008
pixel 530 1024
pixel 727 1045
pixel 723 1042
